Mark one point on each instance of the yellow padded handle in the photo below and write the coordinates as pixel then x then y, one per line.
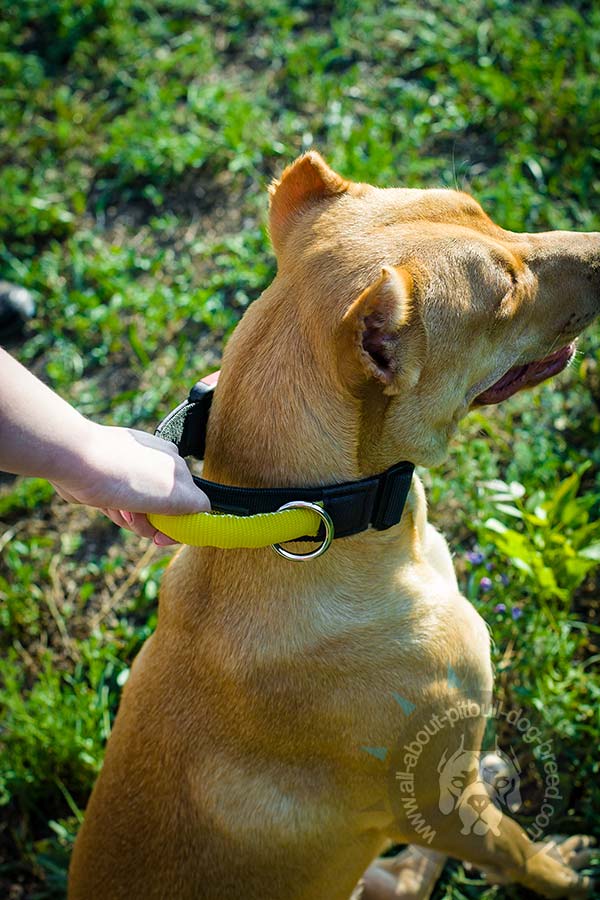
pixel 228 531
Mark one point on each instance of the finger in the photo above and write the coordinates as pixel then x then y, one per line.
pixel 140 525
pixel 115 516
pixel 203 501
pixel 189 498
pixel 187 501
pixel 163 540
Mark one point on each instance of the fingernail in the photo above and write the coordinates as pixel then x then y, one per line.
pixel 161 540
pixel 127 516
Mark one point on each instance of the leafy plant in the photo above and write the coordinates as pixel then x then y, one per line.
pixel 553 544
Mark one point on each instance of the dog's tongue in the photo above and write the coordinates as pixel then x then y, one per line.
pixel 533 373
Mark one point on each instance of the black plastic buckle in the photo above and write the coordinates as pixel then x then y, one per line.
pixel 186 425
pixel 393 490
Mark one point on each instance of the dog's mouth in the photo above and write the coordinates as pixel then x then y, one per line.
pixel 527 375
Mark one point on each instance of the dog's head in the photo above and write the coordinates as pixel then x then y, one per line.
pixel 394 311
pixel 430 299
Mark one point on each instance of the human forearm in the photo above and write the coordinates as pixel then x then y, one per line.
pixel 124 472
pixel 40 433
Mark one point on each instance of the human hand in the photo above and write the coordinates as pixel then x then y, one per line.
pixel 128 473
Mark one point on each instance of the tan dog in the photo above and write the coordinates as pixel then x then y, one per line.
pixel 235 770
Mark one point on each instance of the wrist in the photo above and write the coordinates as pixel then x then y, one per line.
pixel 41 435
pixel 76 460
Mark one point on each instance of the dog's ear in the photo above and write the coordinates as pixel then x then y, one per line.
pixel 383 334
pixel 446 802
pixel 442 761
pixel 307 179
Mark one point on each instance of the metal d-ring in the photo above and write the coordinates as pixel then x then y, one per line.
pixel 329 530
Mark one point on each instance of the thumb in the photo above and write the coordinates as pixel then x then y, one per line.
pixel 189 499
pixel 184 497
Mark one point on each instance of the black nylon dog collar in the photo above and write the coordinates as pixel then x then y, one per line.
pixel 353 506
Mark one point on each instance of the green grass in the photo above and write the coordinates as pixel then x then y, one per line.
pixel 137 139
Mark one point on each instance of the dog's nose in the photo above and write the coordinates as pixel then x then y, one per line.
pixel 566 265
pixel 479 802
pixel 566 256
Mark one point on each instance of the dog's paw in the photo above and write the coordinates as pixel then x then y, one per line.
pixel 574 853
pixel 410 875
pixel 577 851
pixel 566 857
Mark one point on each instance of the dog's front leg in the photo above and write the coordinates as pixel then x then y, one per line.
pixel 549 869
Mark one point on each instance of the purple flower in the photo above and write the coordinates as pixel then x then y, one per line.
pixel 489 567
pixel 504 579
pixel 516 612
pixel 485 584
pixel 500 608
pixel 475 557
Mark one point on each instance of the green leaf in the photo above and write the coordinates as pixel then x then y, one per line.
pixel 591 552
pixel 509 510
pixel 495 525
pixel 516 489
pixel 521 565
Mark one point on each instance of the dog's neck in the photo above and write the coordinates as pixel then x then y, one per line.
pixel 278 421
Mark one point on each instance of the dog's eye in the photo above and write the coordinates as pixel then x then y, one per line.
pixel 502 782
pixel 457 782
